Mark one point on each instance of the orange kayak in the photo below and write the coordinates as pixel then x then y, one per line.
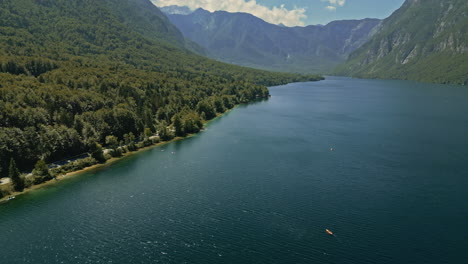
pixel 329 232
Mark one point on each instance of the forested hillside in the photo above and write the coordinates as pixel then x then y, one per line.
pixel 73 73
pixel 423 40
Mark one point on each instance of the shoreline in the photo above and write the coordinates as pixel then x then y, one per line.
pixel 108 162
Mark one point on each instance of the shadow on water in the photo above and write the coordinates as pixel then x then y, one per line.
pixel 241 106
pixel 255 102
pixel 189 141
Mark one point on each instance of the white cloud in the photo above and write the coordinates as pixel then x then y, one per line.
pixel 333 4
pixel 274 15
pixel 337 2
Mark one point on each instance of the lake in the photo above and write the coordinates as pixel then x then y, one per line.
pixel 382 164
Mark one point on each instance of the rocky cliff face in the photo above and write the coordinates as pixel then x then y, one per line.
pixel 423 40
pixel 246 40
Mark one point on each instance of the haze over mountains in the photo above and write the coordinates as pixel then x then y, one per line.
pixel 423 40
pixel 244 39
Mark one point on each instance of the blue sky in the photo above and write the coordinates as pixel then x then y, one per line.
pixel 351 9
pixel 296 12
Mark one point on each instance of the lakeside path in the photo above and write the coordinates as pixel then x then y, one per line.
pixel 109 162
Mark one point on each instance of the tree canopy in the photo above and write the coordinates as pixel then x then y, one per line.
pixel 73 73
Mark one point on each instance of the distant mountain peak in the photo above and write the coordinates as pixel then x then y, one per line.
pixel 244 39
pixel 176 10
pixel 201 10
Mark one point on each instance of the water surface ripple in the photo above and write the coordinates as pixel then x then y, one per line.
pixel 262 184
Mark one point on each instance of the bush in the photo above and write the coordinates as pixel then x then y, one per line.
pixel 96 152
pixel 132 146
pixel 74 166
pixel 144 143
pixel 5 190
pixel 155 140
pixel 107 157
pixel 116 152
pixel 28 181
pixel 124 149
pixel 164 133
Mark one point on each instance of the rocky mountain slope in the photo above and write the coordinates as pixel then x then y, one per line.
pixel 243 39
pixel 424 40
pixel 176 10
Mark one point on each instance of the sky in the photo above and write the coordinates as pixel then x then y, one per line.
pixel 296 12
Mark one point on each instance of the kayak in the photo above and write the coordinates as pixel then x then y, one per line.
pixel 329 232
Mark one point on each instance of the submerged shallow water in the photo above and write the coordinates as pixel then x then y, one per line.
pixel 383 164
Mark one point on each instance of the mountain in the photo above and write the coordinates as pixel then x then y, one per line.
pixel 176 10
pixel 143 17
pixel 75 74
pixel 423 40
pixel 244 39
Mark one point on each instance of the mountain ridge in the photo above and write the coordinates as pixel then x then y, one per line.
pixel 176 10
pixel 243 39
pixel 422 41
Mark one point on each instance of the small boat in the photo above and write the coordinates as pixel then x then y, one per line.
pixel 329 232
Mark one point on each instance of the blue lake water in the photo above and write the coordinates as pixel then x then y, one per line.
pixel 383 164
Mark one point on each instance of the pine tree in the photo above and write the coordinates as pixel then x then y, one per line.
pixel 17 181
pixel 179 130
pixel 97 153
pixel 41 172
pixel 148 133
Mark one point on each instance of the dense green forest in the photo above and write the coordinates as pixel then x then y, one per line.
pixel 75 75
